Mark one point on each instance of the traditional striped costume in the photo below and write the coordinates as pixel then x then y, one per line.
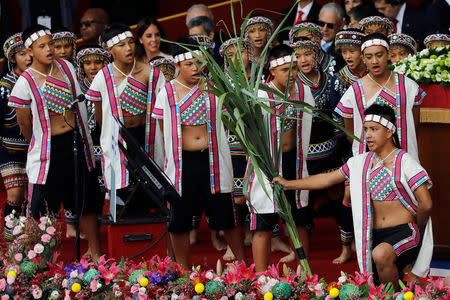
pixel 407 176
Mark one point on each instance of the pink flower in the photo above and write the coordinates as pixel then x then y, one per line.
pixel 94 285
pixel 9 223
pixel 18 256
pixel 51 230
pixel 43 220
pixel 2 284
pixel 41 226
pixel 5 297
pixel 31 254
pixel 38 248
pixel 17 230
pixel 134 288
pixel 37 292
pixel 46 238
pixel 64 283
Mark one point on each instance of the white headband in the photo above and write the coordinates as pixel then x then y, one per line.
pixel 380 120
pixel 118 38
pixel 185 56
pixel 35 36
pixel 280 61
pixel 374 42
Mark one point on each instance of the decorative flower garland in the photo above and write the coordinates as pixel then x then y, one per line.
pixel 30 271
pixel 427 66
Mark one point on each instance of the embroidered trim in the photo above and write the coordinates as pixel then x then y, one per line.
pixel 187 55
pixel 118 38
pixel 379 119
pixel 280 61
pixel 374 42
pixel 35 36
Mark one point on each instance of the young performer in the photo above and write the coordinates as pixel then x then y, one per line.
pixel 400 46
pixel 125 89
pixel 13 146
pixel 296 129
pixel 65 44
pixel 197 160
pixel 391 203
pixel 374 24
pixel 349 43
pixel 42 96
pixel 437 40
pixel 164 65
pixel 314 33
pixel 382 86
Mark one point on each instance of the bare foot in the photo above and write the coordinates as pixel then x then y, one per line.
pixel 217 241
pixel 345 256
pixel 248 238
pixel 288 258
pixel 229 255
pixel 193 236
pixel 71 232
pixel 277 244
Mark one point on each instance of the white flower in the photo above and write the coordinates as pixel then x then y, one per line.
pixel 54 295
pixel 118 294
pixel 438 77
pixel 74 274
pixel 38 248
pixel 209 275
pixel 174 297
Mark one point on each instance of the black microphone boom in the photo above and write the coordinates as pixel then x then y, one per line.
pixel 79 99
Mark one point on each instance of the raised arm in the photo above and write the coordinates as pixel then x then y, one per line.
pixel 24 121
pixel 315 182
pixel 424 206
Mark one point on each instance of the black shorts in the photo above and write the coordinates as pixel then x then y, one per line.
pixel 265 222
pixel 60 183
pixel 404 238
pixel 302 216
pixel 196 195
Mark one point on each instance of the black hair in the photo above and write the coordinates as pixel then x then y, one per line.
pixel 113 30
pixel 203 21
pixel 187 43
pixel 142 26
pixel 280 51
pixel 32 29
pixel 362 11
pixel 392 2
pixel 155 58
pixel 301 38
pixel 60 29
pixel 387 113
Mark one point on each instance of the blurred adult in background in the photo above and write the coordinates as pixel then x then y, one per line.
pixel 92 23
pixel 306 10
pixel 436 18
pixel 331 21
pixel 203 25
pixel 405 17
pixel 360 12
pixel 148 44
pixel 198 10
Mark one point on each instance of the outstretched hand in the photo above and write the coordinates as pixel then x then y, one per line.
pixel 281 181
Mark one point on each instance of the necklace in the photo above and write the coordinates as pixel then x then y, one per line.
pixel 120 71
pixel 42 74
pixel 185 86
pixel 381 161
pixel 384 84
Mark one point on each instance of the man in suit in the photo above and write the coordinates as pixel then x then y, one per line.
pixel 405 17
pixel 306 10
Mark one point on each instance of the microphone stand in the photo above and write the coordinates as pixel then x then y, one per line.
pixel 76 165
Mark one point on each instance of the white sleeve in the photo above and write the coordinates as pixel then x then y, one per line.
pixel 21 94
pixel 158 110
pixel 94 92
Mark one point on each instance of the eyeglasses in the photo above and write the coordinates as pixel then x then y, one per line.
pixel 322 24
pixel 89 23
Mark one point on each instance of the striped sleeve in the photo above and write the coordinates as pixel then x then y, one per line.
pixel 345 171
pixel 415 173
pixel 20 95
pixel 419 97
pixel 94 94
pixel 158 110
pixel 345 106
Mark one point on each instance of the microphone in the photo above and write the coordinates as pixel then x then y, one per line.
pixel 81 98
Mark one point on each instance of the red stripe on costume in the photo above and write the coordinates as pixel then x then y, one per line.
pixel 358 90
pixel 401 189
pixel 19 101
pixel 366 214
pixel 215 144
pixel 151 100
pixel 416 178
pixel 402 113
pixel 173 120
pixel 410 242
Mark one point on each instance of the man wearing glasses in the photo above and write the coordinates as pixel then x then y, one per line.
pixel 331 21
pixel 92 23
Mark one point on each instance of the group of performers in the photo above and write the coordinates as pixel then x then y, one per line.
pixel 167 107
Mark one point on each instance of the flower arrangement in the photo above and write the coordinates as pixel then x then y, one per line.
pixel 29 270
pixel 427 66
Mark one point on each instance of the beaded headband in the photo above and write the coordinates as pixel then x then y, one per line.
pixel 165 65
pixel 261 21
pixel 202 40
pixel 64 35
pixel 437 40
pixel 377 20
pixel 380 120
pixel 403 40
pixel 161 61
pixel 35 36
pixel 280 61
pixel 93 51
pixel 348 37
pixel 308 26
pixel 223 48
pixel 11 44
pixel 374 42
pixel 306 44
pixel 118 38
pixel 187 55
